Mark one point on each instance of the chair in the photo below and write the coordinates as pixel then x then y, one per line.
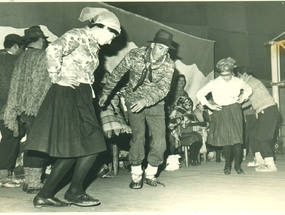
pixel 115 158
pixel 204 133
pixel 119 144
pixel 186 141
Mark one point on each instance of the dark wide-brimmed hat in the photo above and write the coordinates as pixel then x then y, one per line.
pixel 34 32
pixel 15 38
pixel 163 37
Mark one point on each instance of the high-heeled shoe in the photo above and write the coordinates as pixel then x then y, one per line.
pixel 40 202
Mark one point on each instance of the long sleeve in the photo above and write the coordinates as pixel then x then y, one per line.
pixel 247 90
pixel 203 92
pixel 63 46
pixel 152 91
pixel 159 89
pixel 116 75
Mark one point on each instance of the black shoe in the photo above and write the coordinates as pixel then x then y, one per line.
pixel 240 171
pixel 154 182
pixel 25 187
pixel 136 185
pixel 40 202
pixel 33 190
pixel 194 163
pixel 83 200
pixel 30 190
pixel 227 171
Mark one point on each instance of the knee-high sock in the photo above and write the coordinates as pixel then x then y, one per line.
pixel 194 150
pixel 82 167
pixel 237 149
pixel 227 150
pixel 59 170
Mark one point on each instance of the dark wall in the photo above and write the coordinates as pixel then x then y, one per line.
pixel 58 17
pixel 240 29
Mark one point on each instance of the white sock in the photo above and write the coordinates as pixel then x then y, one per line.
pixel 136 173
pixel 137 170
pixel 258 156
pixel 150 171
pixel 269 161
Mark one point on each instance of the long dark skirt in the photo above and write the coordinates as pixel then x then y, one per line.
pixel 66 124
pixel 226 126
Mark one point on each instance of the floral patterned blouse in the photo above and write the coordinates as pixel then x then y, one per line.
pixel 73 54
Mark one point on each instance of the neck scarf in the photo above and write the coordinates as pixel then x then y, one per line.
pixel 149 66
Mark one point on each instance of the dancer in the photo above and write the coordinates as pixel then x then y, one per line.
pixel 263 130
pixel 66 126
pixel 151 70
pixel 226 124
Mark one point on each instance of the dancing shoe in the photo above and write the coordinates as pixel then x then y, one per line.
pixel 227 171
pixel 194 163
pixel 256 163
pixel 9 184
pixel 83 200
pixel 136 185
pixel 30 190
pixel 240 171
pixel 40 202
pixel 266 168
pixel 153 182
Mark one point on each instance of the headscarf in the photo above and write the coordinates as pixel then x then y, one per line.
pixel 226 64
pixel 100 16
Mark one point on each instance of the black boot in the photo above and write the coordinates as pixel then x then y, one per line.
pixel 227 150
pixel 237 150
pixel 194 153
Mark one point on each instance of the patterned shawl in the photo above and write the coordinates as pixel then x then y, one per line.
pixel 113 120
pixel 29 85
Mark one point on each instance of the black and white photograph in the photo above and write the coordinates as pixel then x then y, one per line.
pixel 142 107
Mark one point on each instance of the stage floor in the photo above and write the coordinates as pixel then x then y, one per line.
pixel 201 189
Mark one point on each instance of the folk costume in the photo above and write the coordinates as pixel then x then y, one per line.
pixel 263 130
pixel 66 126
pixel 181 126
pixel 59 130
pixel 149 81
pixel 29 86
pixel 226 125
pixel 9 145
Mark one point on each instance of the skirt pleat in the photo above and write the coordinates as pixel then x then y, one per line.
pixel 66 124
pixel 226 126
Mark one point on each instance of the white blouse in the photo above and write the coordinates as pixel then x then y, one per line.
pixel 224 92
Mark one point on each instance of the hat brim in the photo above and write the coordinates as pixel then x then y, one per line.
pixel 168 45
pixel 18 41
pixel 25 38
